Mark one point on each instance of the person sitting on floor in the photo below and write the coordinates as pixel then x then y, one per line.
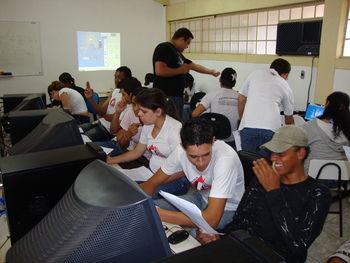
pixel 212 167
pixel 342 254
pixel 160 135
pixel 282 206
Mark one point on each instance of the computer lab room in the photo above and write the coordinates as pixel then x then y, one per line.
pixel 83 155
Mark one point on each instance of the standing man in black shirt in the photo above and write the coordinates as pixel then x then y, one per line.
pixel 170 67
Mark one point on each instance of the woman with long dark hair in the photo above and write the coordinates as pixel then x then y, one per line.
pixel 68 81
pixel 329 132
pixel 160 135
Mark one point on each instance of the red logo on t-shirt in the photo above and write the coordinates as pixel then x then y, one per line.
pixel 112 102
pixel 154 150
pixel 200 184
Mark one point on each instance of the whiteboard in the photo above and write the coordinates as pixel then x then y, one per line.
pixel 20 51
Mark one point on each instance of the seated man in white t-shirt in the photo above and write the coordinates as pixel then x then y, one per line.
pixel 100 130
pixel 212 167
pixel 223 100
pixel 130 124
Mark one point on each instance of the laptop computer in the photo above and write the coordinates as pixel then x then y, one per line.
pixel 313 111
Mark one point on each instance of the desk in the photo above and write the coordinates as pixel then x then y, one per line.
pixel 187 244
pixel 227 249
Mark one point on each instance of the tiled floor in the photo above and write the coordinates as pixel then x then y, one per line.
pixel 329 240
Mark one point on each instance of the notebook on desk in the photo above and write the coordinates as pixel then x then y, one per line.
pixel 313 111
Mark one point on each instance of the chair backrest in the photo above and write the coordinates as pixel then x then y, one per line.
pixel 247 159
pixel 196 98
pixel 90 108
pixel 330 169
pixel 220 123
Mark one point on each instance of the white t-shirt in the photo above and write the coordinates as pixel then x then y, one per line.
pixel 223 101
pixel 266 92
pixel 223 178
pixel 128 119
pixel 164 144
pixel 115 98
pixel 77 103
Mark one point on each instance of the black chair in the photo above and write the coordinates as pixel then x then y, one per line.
pixel 220 123
pixel 196 98
pixel 337 170
pixel 247 159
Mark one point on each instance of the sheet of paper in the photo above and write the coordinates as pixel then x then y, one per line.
pixel 107 150
pixel 237 137
pixel 85 138
pixel 190 210
pixel 347 152
pixel 138 174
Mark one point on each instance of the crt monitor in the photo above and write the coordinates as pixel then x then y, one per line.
pixel 313 111
pixel 103 217
pixel 56 130
pixel 20 123
pixel 33 183
pixel 32 102
pixel 10 101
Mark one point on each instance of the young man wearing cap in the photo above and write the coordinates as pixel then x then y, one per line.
pixel 259 101
pixel 212 167
pixel 223 101
pixel 283 206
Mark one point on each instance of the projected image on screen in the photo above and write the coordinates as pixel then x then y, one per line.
pixel 98 51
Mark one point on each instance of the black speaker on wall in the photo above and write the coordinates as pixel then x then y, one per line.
pixel 34 183
pixel 299 38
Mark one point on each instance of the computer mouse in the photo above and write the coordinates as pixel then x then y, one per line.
pixel 178 236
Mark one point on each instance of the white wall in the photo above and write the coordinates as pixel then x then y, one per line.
pixel 342 80
pixel 299 86
pixel 141 24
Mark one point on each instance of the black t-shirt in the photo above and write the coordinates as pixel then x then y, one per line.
pixel 287 219
pixel 80 90
pixel 167 53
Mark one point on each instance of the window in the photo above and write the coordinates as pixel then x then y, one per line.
pixel 243 33
pixel 346 50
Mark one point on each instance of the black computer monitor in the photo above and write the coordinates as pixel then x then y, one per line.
pixel 11 101
pixel 56 130
pixel 32 102
pixel 33 183
pixel 104 217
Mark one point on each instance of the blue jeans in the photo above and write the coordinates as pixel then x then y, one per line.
pixel 178 187
pixel 117 150
pixel 197 199
pixel 96 131
pixel 80 119
pixel 186 115
pixel 252 138
pixel 179 103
